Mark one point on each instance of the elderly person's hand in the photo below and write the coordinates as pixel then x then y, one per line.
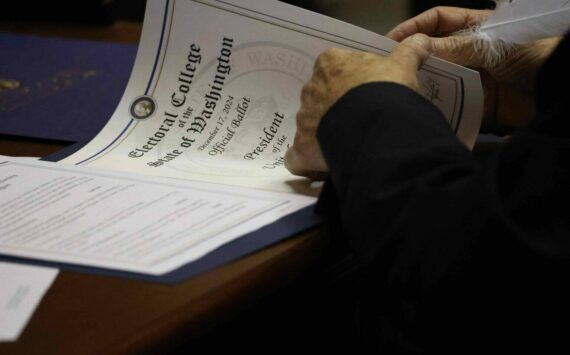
pixel 508 74
pixel 336 71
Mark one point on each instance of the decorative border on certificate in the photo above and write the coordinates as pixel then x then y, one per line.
pixel 166 20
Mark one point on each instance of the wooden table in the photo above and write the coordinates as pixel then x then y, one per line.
pixel 88 314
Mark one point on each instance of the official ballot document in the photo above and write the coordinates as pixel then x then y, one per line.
pixel 193 156
pixel 216 86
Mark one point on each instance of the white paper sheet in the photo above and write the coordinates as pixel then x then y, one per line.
pixel 224 78
pixel 21 289
pixel 123 221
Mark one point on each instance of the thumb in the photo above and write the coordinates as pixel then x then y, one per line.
pixel 461 50
pixel 413 51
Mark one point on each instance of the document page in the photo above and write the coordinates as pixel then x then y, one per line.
pixel 23 287
pixel 121 221
pixel 215 89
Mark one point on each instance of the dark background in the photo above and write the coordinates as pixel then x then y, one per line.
pixel 107 11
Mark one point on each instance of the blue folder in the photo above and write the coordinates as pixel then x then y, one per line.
pixel 60 89
pixel 283 228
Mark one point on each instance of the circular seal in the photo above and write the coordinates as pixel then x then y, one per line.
pixel 143 107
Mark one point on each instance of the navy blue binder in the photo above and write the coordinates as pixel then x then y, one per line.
pixel 284 228
pixel 60 89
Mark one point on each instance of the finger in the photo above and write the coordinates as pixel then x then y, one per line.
pixel 412 52
pixel 296 164
pixel 438 21
pixel 329 55
pixel 292 160
pixel 461 50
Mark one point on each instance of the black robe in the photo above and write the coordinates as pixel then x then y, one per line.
pixel 459 252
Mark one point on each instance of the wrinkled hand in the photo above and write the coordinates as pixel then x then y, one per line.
pixel 508 78
pixel 336 71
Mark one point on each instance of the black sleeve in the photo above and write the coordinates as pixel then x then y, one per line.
pixel 386 147
pixel 457 250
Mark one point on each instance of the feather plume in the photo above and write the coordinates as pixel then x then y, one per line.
pixel 515 22
pixel 524 21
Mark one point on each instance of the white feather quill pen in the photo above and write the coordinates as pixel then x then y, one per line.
pixel 523 21
pixel 519 22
